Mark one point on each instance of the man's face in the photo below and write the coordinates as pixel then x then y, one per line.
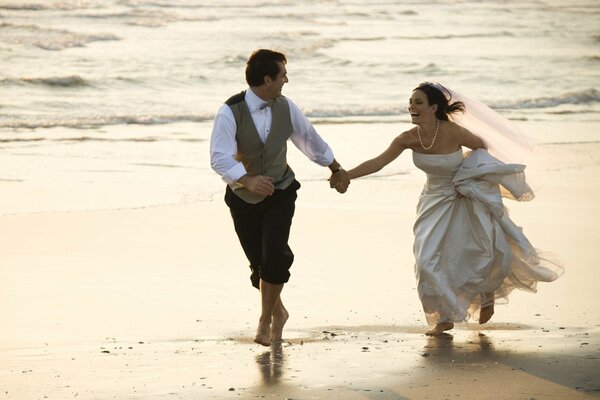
pixel 276 85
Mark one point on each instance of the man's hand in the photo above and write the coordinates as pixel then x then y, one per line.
pixel 258 184
pixel 339 181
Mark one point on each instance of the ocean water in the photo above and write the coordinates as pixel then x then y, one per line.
pixel 108 104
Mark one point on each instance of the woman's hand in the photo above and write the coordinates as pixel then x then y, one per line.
pixel 339 181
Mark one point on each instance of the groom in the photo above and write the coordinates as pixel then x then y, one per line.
pixel 249 150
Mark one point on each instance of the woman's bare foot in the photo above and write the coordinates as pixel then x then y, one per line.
pixel 440 328
pixel 487 310
pixel 262 333
pixel 486 313
pixel 280 317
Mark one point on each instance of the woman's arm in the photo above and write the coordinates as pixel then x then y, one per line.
pixel 375 164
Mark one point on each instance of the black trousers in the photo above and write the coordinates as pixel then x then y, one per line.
pixel 263 230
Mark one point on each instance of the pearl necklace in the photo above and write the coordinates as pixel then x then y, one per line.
pixel 434 136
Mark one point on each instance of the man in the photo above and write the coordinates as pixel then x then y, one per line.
pixel 249 149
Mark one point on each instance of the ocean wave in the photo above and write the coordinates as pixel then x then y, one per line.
pixel 569 103
pixel 145 139
pixel 314 47
pixel 60 5
pixel 570 143
pixel 144 17
pixel 70 39
pixel 428 69
pixel 234 59
pixel 456 36
pixel 24 7
pixel 49 38
pixel 23 140
pixel 164 4
pixel 572 112
pixel 191 4
pixel 99 121
pixel 363 39
pixel 583 97
pixel 586 97
pixel 379 111
pixel 73 81
pixel 60 81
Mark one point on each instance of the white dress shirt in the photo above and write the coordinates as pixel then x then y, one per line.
pixel 223 146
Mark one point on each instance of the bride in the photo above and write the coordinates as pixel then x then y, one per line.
pixel 468 253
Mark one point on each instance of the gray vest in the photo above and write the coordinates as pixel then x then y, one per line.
pixel 260 158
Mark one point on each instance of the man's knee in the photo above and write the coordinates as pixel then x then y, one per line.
pixel 277 277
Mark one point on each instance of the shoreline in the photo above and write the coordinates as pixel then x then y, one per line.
pixel 31 197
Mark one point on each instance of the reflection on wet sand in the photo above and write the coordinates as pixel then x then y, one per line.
pixel 480 346
pixel 270 364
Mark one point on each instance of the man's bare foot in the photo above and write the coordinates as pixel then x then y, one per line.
pixel 262 333
pixel 440 328
pixel 280 317
pixel 486 313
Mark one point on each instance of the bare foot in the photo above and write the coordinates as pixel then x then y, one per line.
pixel 280 317
pixel 440 328
pixel 486 313
pixel 262 333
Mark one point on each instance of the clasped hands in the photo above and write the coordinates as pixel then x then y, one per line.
pixel 263 185
pixel 339 181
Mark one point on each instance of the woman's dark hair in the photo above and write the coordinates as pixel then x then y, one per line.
pixel 261 63
pixel 436 96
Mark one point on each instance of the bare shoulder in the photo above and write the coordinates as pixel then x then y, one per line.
pixel 452 127
pixel 407 139
pixel 465 137
pixel 455 130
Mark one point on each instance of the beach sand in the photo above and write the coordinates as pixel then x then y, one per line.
pixel 155 303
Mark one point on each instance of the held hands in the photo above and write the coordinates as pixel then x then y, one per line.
pixel 339 181
pixel 263 185
pixel 258 184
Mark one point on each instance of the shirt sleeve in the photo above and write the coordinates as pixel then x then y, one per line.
pixel 223 147
pixel 307 140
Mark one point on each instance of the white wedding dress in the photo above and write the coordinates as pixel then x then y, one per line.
pixel 466 246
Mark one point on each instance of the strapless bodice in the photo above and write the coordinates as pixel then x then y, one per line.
pixel 440 169
pixel 438 164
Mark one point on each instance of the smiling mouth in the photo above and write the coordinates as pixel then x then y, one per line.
pixel 413 114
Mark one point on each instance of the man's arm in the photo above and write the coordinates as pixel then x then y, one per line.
pixel 223 147
pixel 223 150
pixel 308 141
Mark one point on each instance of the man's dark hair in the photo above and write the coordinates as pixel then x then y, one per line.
pixel 261 63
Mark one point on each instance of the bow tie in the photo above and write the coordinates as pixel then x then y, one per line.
pixel 267 104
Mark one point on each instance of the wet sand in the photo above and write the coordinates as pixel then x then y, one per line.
pixel 155 303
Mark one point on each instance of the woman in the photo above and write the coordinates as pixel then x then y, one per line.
pixel 468 253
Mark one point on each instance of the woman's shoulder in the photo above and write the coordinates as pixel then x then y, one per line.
pixel 408 137
pixel 453 130
pixel 450 125
pixel 463 136
pixel 409 133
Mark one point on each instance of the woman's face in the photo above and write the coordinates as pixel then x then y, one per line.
pixel 419 107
